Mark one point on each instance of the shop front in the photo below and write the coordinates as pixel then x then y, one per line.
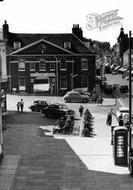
pixel 43 82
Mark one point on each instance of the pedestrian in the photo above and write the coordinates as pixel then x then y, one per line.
pixel 67 126
pixel 121 120
pixel 81 110
pixel 109 117
pixel 18 106
pixel 21 105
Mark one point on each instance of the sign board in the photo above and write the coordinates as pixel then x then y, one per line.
pixel 40 75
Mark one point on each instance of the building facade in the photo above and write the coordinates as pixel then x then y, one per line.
pixel 49 62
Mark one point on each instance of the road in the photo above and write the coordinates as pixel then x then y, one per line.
pixel 117 79
pixel 36 159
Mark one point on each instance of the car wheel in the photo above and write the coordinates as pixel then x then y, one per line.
pixel 84 100
pixel 68 100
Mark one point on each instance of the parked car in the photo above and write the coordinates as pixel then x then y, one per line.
pixel 82 91
pixel 74 96
pixel 57 110
pixel 124 88
pixel 38 105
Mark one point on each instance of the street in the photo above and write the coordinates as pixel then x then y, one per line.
pixel 35 158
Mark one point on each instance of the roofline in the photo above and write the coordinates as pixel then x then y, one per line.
pixel 83 43
pixel 36 42
pixel 84 54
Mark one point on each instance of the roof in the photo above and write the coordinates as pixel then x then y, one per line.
pixel 77 46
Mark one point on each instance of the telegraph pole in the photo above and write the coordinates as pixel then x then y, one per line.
pixel 1 133
pixel 130 160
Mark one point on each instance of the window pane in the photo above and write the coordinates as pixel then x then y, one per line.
pixel 21 66
pixel 63 65
pixel 52 65
pixel 63 82
pixel 32 66
pixel 84 64
pixel 42 64
pixel 84 81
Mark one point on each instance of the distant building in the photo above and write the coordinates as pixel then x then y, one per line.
pixel 123 42
pixel 126 59
pixel 58 62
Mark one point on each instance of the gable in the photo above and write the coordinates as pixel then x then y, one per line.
pixel 41 47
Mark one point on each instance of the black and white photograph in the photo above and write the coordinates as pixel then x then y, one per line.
pixel 66 109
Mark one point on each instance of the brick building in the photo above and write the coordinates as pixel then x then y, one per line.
pixel 52 62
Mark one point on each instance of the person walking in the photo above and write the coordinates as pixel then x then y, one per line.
pixel 81 110
pixel 109 117
pixel 21 105
pixel 18 106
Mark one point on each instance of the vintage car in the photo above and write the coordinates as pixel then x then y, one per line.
pixel 57 110
pixel 38 105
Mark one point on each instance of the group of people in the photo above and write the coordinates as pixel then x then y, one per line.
pixel 121 120
pixel 20 106
pixel 64 125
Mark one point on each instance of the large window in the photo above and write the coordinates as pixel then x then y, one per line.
pixel 84 64
pixel 84 81
pixel 17 45
pixel 42 65
pixel 63 82
pixel 63 65
pixel 52 66
pixel 22 83
pixel 67 45
pixel 21 66
pixel 32 66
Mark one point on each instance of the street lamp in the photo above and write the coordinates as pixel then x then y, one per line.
pixel 130 111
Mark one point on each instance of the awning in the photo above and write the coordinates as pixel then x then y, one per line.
pixel 112 66
pixel 116 68
pixel 122 69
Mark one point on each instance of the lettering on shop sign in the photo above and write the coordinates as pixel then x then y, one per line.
pixel 42 74
pixel 103 21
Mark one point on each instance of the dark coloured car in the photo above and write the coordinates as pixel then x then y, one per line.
pixel 108 89
pixel 124 88
pixel 38 105
pixel 57 110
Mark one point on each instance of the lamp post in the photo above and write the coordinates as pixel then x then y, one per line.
pixel 130 164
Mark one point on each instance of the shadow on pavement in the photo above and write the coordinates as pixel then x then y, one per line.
pixel 47 163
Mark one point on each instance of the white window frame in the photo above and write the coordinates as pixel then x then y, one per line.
pixel 32 66
pixel 22 87
pixel 52 66
pixel 84 64
pixel 67 45
pixel 21 66
pixel 16 45
pixel 64 86
pixel 82 81
pixel 63 68
pixel 42 65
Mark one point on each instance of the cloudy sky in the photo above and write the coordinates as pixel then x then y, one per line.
pixel 58 16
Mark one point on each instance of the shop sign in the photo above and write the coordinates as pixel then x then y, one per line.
pixel 42 75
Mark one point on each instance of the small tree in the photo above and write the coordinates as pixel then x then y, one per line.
pixel 87 124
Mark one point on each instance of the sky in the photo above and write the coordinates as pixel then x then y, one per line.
pixel 58 16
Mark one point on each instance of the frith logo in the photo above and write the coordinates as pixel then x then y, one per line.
pixel 103 21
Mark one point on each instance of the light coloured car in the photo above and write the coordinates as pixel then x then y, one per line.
pixel 74 96
pixel 122 110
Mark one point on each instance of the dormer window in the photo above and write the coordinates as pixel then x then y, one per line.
pixel 17 45
pixel 67 45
